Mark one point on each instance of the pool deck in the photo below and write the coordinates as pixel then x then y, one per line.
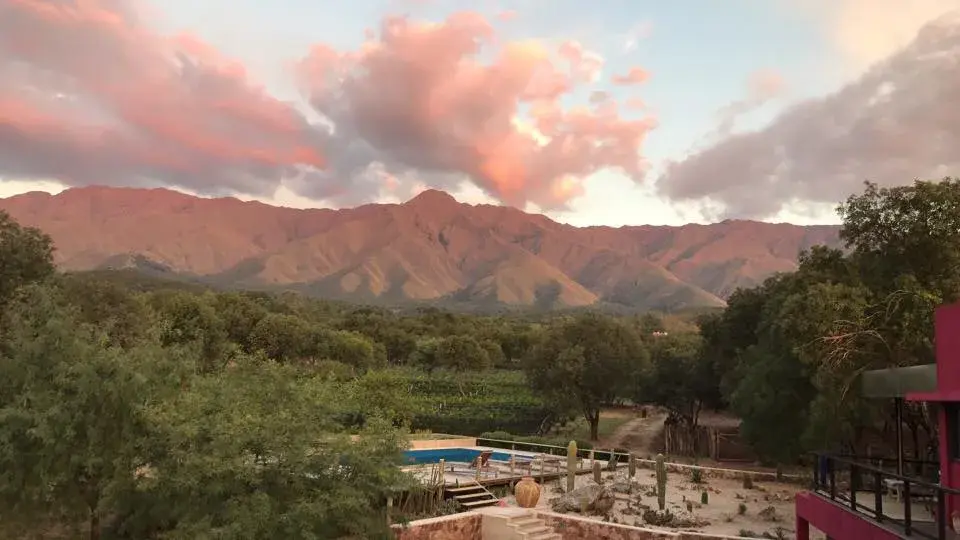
pixel 498 472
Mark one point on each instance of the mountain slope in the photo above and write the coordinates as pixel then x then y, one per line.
pixel 430 248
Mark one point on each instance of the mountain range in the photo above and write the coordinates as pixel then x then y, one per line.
pixel 431 248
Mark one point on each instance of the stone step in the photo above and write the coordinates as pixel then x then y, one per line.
pixel 536 532
pixel 521 521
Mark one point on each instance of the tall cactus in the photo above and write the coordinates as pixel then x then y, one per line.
pixel 661 483
pixel 571 465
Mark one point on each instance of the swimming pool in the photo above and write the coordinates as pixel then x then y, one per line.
pixel 463 455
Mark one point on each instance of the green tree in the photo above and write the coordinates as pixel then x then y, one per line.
pixel 398 344
pixel 112 309
pixel 426 354
pixel 255 452
pixel 71 417
pixel 383 393
pixel 682 379
pixel 283 337
pixel 26 256
pixel 463 353
pixel 240 314
pixel 351 348
pixel 773 399
pixel 906 231
pixel 584 363
pixel 190 319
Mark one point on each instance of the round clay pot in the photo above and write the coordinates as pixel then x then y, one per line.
pixel 527 492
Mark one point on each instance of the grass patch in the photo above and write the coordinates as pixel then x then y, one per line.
pixel 579 429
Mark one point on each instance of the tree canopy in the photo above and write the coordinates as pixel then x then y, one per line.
pixel 586 362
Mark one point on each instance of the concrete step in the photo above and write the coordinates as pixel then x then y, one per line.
pixel 536 531
pixel 545 536
pixel 522 521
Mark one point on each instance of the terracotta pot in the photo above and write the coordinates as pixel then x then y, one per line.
pixel 527 492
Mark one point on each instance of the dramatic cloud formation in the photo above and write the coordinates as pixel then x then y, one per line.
pixel 419 99
pixel 91 95
pixel 900 120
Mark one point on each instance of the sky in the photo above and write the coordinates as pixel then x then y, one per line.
pixel 611 112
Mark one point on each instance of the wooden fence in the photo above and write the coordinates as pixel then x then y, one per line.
pixel 716 443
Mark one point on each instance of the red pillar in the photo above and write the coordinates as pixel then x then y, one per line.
pixel 803 529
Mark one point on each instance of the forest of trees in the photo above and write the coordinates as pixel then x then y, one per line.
pixel 790 352
pixel 167 412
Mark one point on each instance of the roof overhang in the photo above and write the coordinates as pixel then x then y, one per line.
pixel 899 382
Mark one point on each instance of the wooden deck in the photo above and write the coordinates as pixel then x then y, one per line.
pixel 540 466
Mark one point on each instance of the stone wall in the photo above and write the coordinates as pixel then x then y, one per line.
pixel 578 528
pixel 469 526
pixel 717 472
pixel 465 526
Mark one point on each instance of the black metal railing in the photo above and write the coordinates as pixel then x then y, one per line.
pixel 854 482
pixel 916 468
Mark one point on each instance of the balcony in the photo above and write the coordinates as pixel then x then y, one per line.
pixel 857 500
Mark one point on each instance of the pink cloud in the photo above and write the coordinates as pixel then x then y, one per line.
pixel 634 76
pixel 420 98
pixel 92 95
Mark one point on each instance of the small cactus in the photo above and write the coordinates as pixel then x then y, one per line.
pixel 661 483
pixel 696 475
pixel 747 481
pixel 704 498
pixel 571 465
pixel 596 471
pixel 632 466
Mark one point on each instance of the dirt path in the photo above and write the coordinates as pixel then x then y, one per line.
pixel 637 435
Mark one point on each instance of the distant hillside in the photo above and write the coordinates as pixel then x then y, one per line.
pixel 430 249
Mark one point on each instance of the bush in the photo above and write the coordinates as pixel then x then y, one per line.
pixel 696 475
pixel 519 440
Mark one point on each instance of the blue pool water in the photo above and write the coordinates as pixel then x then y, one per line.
pixel 464 455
